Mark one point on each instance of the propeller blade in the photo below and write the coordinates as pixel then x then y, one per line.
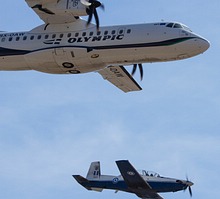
pixel 190 191
pixel 140 68
pixel 96 19
pixel 189 184
pixel 102 7
pixel 141 71
pixel 95 3
pixel 134 69
pixel 91 10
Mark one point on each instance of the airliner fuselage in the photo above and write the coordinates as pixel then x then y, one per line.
pixel 67 44
pixel 74 48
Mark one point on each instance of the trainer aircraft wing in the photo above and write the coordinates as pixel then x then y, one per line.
pixel 52 11
pixel 119 76
pixel 135 182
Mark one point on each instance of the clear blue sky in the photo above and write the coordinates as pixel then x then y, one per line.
pixel 53 126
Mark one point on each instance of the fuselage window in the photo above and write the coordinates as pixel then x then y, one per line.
pixel 129 31
pixel 10 39
pixel 61 35
pixel 46 36
pixel 54 36
pixel 91 33
pixel 32 37
pixel 69 35
pixel 25 38
pixel 106 32
pixel 121 31
pixel 98 32
pixel 113 32
pixel 39 37
pixel 84 34
pixel 3 39
pixel 76 34
pixel 17 38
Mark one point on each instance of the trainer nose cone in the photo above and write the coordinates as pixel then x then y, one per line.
pixel 189 183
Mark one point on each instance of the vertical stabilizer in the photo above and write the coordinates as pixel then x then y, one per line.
pixel 94 171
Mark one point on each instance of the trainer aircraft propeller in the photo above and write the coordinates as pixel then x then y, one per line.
pixel 67 44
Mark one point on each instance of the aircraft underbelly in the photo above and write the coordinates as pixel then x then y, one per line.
pixel 166 186
pixel 82 60
pixel 63 61
pixel 142 55
pixel 13 63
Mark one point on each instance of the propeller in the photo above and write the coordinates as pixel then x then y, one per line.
pixel 91 10
pixel 189 184
pixel 190 191
pixel 140 69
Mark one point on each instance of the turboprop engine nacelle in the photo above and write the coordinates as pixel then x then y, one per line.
pixel 49 7
pixel 75 7
pixel 65 11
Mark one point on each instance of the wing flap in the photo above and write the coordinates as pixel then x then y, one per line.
pixel 119 76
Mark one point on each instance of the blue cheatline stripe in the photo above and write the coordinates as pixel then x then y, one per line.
pixel 121 185
pixel 14 52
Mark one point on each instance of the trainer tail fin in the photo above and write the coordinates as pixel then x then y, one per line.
pixel 94 171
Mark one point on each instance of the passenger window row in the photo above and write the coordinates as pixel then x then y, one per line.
pixel 60 36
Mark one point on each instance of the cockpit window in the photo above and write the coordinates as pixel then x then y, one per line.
pixel 169 25
pixel 149 173
pixel 186 28
pixel 177 25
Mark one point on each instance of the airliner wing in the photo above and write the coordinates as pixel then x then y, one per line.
pixel 135 182
pixel 50 11
pixel 119 76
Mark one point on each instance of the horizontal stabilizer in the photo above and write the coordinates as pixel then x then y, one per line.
pixel 81 180
pixel 85 183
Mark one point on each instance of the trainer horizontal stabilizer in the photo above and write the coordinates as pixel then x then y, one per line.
pixel 81 180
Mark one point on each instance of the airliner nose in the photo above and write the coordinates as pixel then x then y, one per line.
pixel 203 44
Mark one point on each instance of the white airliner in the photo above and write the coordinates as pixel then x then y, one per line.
pixel 67 44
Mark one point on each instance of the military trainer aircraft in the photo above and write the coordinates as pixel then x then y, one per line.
pixel 145 185
pixel 67 44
